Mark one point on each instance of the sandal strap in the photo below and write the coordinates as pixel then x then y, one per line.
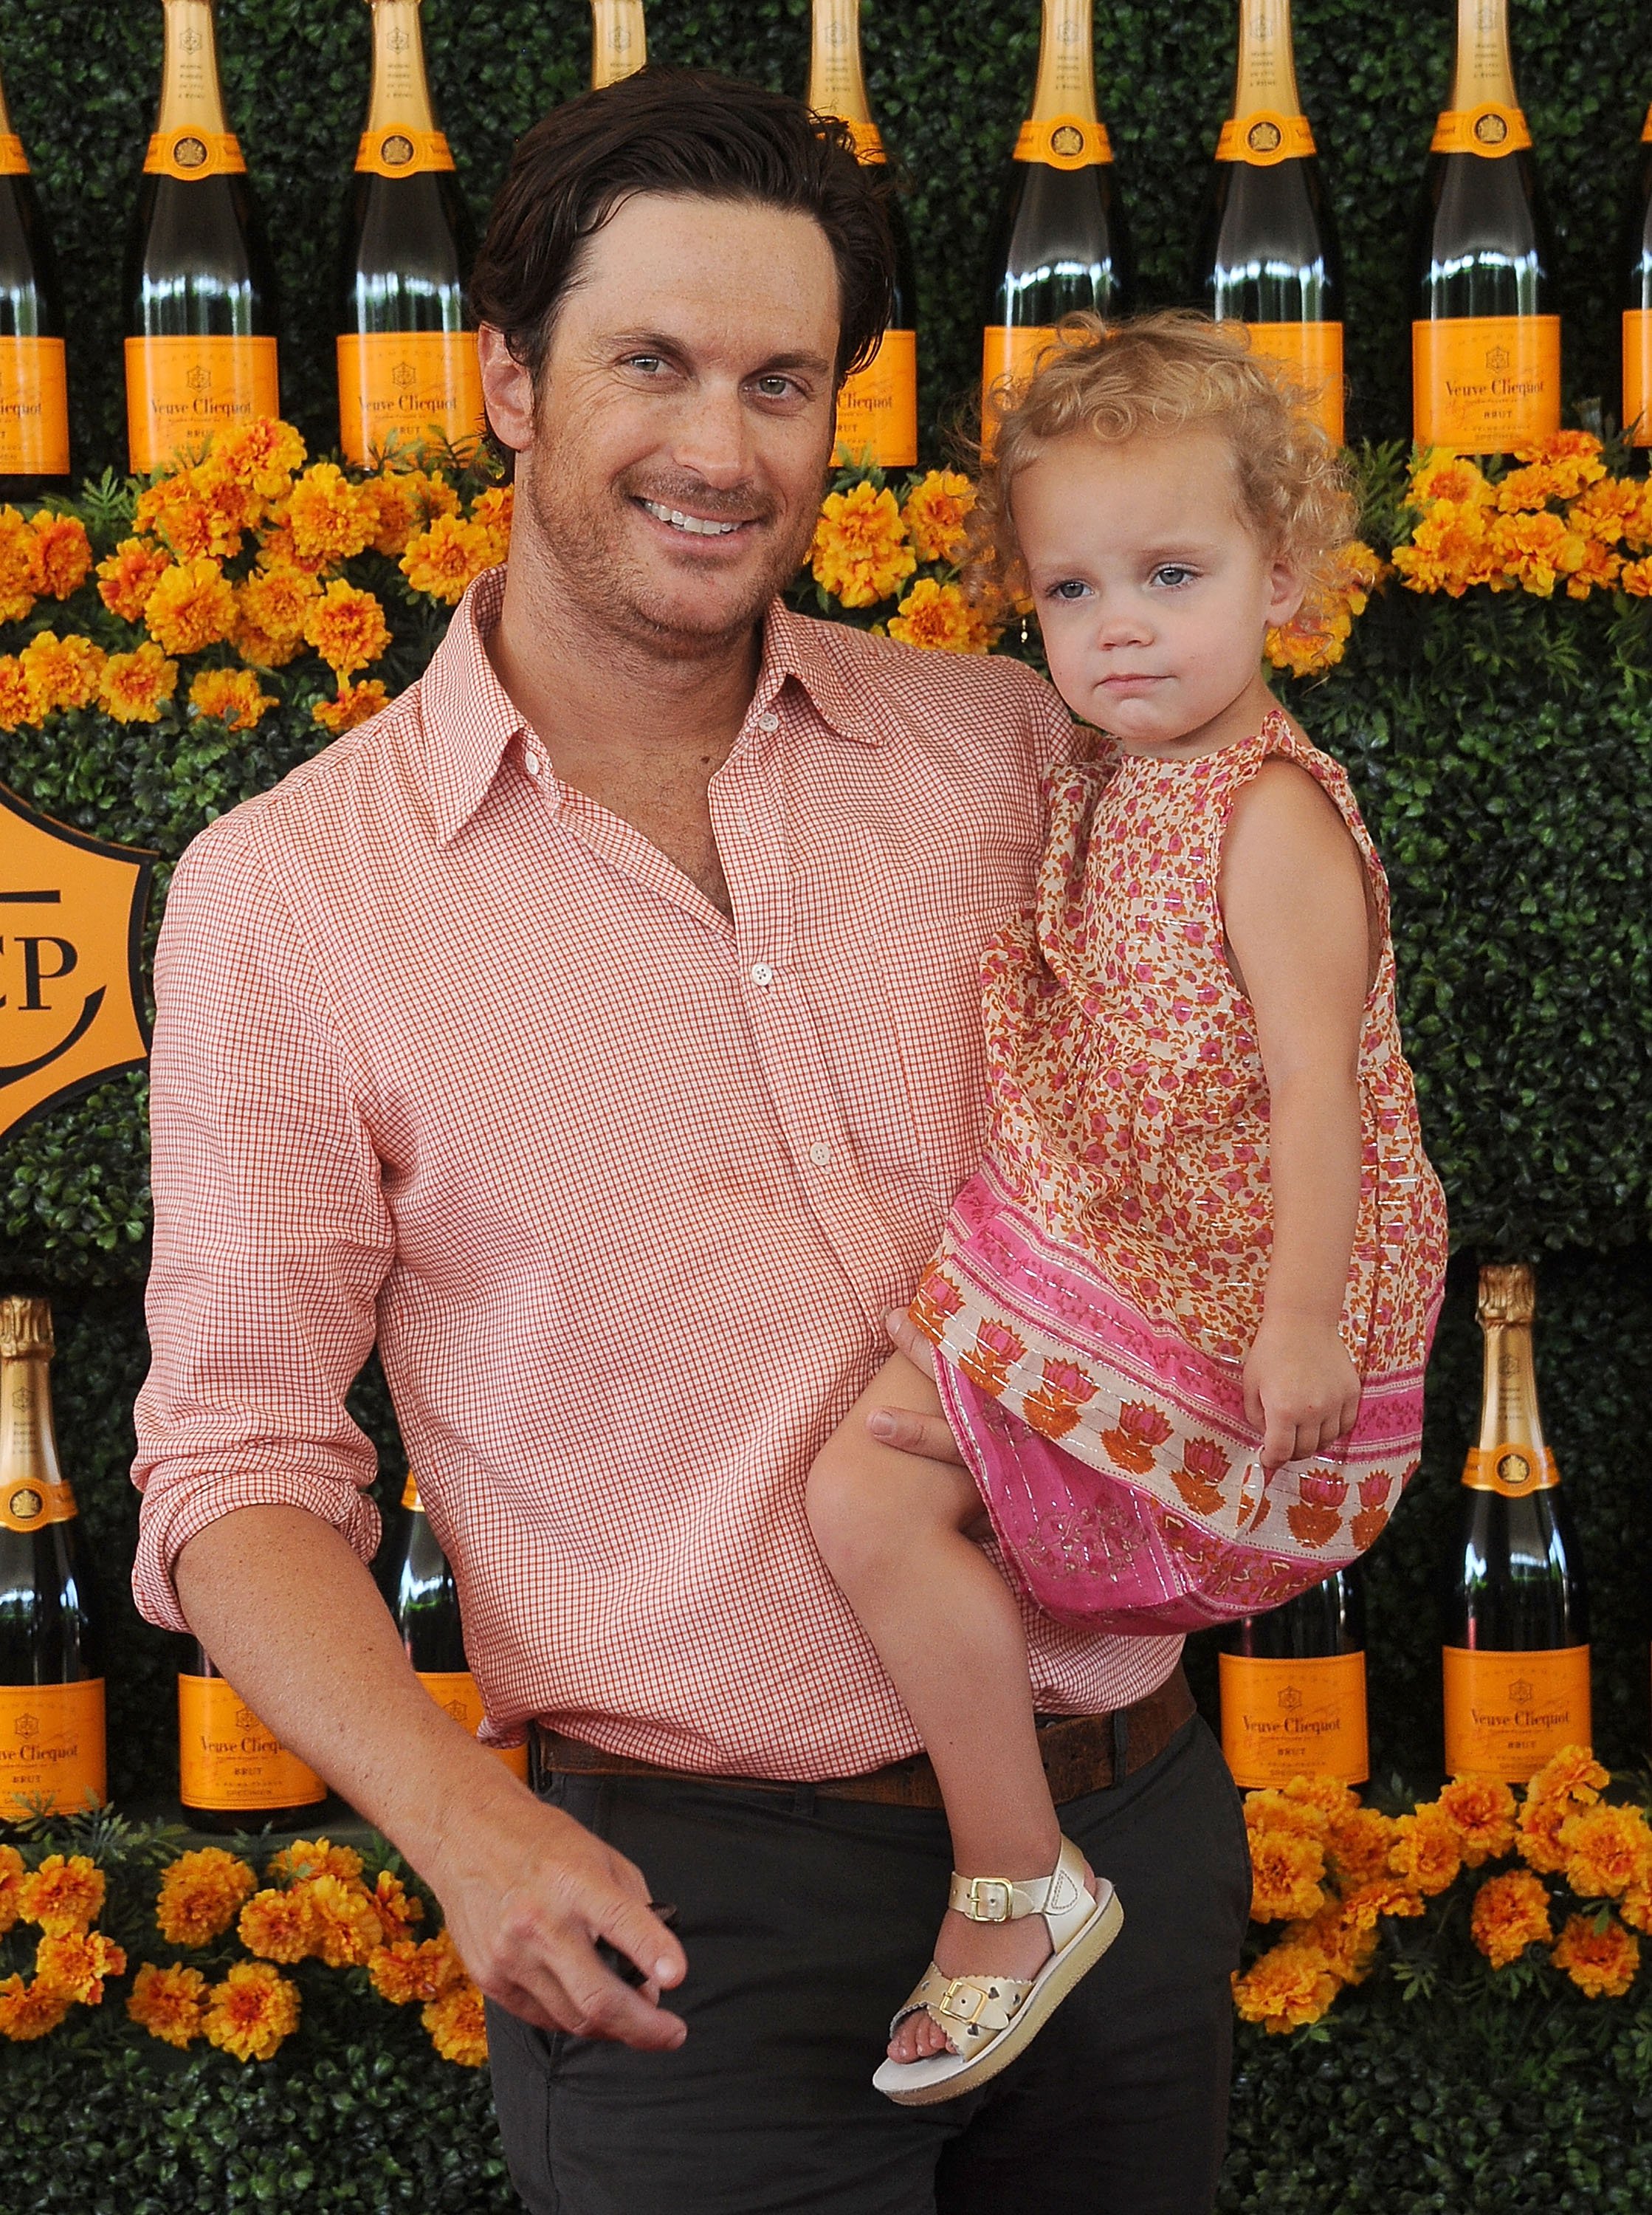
pixel 970 2010
pixel 1060 1898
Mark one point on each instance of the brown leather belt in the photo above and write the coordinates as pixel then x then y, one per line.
pixel 1082 1754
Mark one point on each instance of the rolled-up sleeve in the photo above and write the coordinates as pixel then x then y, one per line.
pixel 272 1233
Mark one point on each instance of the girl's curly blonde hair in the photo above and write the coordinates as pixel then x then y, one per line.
pixel 1153 376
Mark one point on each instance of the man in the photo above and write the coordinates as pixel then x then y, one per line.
pixel 595 1029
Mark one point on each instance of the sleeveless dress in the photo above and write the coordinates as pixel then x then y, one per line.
pixel 1100 1277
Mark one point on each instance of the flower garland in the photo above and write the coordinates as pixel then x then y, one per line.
pixel 314 1905
pixel 1333 1872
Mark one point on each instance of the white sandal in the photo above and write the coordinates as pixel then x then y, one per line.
pixel 993 2019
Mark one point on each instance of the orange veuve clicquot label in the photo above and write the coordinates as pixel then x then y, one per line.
pixel 227 1759
pixel 1484 384
pixel 868 139
pixel 1313 353
pixel 34 408
pixel 13 162
pixel 1507 1713
pixel 1009 354
pixel 190 154
pixel 179 389
pixel 1638 376
pixel 400 152
pixel 1263 137
pixel 403 388
pixel 454 1689
pixel 1489 130
pixel 878 408
pixel 1285 1719
pixel 1513 1470
pixel 1065 142
pixel 52 1746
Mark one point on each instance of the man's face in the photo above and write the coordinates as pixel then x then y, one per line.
pixel 685 418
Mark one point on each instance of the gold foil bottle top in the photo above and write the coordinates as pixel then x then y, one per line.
pixel 26 1330
pixel 1508 1295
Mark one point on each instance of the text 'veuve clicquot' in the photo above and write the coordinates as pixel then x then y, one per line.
pixel 1293 1688
pixel 33 385
pixel 234 1774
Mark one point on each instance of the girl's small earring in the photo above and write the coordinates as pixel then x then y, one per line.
pixel 1026 635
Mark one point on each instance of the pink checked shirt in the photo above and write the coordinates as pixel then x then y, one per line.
pixel 449 1057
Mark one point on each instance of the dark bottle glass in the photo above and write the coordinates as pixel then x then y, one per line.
pixel 51 1713
pixel 33 391
pixel 234 1775
pixel 1292 1687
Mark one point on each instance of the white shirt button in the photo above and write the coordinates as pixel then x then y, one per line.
pixel 821 1154
pixel 768 721
pixel 761 973
pixel 534 762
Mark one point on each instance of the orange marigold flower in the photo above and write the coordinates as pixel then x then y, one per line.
pixel 169 2003
pixel 402 1971
pixel 1481 1810
pixel 1607 1849
pixel 1635 579
pixel 279 1926
pixel 127 577
pixel 264 455
pixel 200 1892
pixel 63 552
pixel 1367 1903
pixel 134 686
pixel 1510 1914
pixel 346 626
pixel 343 1925
pixel 30 2010
pixel 20 580
pixel 1574 1773
pixel 1571 459
pixel 62 1894
pixel 1601 1963
pixel 62 673
pixel 11 1880
pixel 1314 639
pixel 231 697
pixel 329 518
pixel 1450 551
pixel 1290 1987
pixel 1335 1800
pixel 447 556
pixel 1349 1942
pixel 1358 1847
pixel 196 515
pixel 936 515
pixel 313 1857
pixel 1608 510
pixel 192 605
pixel 251 2012
pixel 457 2026
pixel 493 510
pixel 1636 1905
pixel 861 552
pixel 270 610
pixel 1441 474
pixel 939 616
pixel 397 1911
pixel 1596 571
pixel 353 705
pixel 406 501
pixel 1286 1870
pixel 1427 1851
pixel 76 1962
pixel 18 703
pixel 1536 550
pixel 1301 1817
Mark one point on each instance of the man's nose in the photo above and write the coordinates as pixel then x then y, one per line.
pixel 713 436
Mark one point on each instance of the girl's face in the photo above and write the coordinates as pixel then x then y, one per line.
pixel 1153 593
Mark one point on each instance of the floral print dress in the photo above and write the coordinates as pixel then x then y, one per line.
pixel 1101 1277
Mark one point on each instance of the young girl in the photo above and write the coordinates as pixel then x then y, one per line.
pixel 1181 1313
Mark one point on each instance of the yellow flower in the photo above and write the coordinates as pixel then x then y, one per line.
pixel 354 704
pixel 198 515
pixel 62 673
pixel 447 556
pixel 1287 1987
pixel 18 703
pixel 251 2012
pixel 493 510
pixel 1298 1817
pixel 346 626
pixel 860 553
pixel 278 1925
pixel 134 686
pixel 30 2010
pixel 1441 475
pixel 344 1926
pixel 1450 551
pixel 270 610
pixel 1596 571
pixel 934 615
pixel 192 605
pixel 1369 1901
pixel 457 2027
pixel 1286 1870
pixel 169 2003
pixel 935 515
pixel 329 518
pixel 11 1881
pixel 1600 1963
pixel 1359 1846
pixel 1347 1941
pixel 1572 1774
pixel 1314 640
pixel 1570 459
pixel 1481 1811
pixel 231 697
pixel 1536 550
pixel 402 1971
pixel 127 577
pixel 1428 1852
pixel 1635 578
pixel 200 1891
pixel 63 552
pixel 1607 1849
pixel 20 580
pixel 264 455
pixel 1608 510
pixel 76 1962
pixel 1510 1914
pixel 405 500
pixel 62 1895
pixel 1636 1905
pixel 396 1911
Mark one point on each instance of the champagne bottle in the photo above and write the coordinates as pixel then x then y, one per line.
pixel 1485 340
pixel 619 41
pixel 1637 411
pixel 200 291
pixel 1293 1688
pixel 233 1773
pixel 51 1740
pixel 1060 243
pixel 408 372
pixel 1517 1655
pixel 878 408
pixel 417 1581
pixel 1269 257
pixel 33 391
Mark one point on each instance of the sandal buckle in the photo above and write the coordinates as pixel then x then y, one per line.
pixel 991 1899
pixel 962 2015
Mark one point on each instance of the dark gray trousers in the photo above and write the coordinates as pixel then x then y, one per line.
pixel 806 1922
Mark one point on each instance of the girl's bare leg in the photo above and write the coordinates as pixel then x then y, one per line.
pixel 893 1530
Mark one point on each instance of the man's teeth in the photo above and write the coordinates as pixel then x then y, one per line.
pixel 696 524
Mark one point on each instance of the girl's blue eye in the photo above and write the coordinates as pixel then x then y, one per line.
pixel 1172 574
pixel 1070 588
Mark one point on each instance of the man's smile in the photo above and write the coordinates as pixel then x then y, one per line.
pixel 697 526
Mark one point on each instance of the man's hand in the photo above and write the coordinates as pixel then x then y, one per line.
pixel 900 1428
pixel 1302 1390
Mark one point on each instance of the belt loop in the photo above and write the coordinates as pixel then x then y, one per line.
pixel 1120 1744
pixel 803 1800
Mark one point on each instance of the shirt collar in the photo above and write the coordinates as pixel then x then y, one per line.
pixel 469 720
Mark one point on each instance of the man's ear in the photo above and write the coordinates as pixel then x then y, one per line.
pixel 507 390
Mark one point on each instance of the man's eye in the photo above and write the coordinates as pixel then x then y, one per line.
pixel 1173 574
pixel 775 387
pixel 646 362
